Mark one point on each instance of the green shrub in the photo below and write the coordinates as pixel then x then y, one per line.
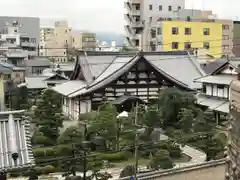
pixel 15 174
pixel 41 140
pixel 39 152
pixel 114 157
pixel 63 150
pixel 49 152
pixel 48 169
pixel 175 151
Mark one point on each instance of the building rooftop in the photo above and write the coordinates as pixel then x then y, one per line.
pixel 99 68
pixel 14 139
pixel 38 61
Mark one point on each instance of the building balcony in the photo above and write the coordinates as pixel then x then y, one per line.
pixel 127 18
pixel 16 54
pixel 135 12
pixel 127 6
pixel 28 44
pixel 134 2
pixel 137 24
pixel 32 53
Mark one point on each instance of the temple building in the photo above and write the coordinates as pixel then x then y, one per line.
pixel 215 93
pixel 100 77
pixel 15 142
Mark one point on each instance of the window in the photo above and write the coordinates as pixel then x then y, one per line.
pixel 159 31
pixel 206 31
pixel 188 31
pixel 174 45
pixel 174 30
pixel 66 31
pixel 150 6
pixel 225 37
pixel 187 45
pixel 160 8
pixel 73 39
pixel 225 27
pixel 225 47
pixel 179 8
pixel 206 45
pixel 169 8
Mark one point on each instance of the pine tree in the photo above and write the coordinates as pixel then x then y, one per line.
pixel 48 113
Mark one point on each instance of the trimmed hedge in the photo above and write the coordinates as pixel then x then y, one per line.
pixel 121 156
pixel 61 150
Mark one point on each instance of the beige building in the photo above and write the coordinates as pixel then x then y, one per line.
pixel 55 42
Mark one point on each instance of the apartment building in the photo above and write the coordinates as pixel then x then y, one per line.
pixel 141 14
pixel 236 38
pixel 29 25
pixel 203 35
pixel 56 41
pixel 16 46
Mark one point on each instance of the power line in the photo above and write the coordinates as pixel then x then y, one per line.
pixel 126 148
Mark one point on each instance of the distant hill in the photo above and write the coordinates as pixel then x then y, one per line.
pixel 111 36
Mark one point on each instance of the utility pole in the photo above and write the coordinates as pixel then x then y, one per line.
pixel 85 152
pixel 136 143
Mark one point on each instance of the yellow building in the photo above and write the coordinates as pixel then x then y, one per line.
pixel 184 35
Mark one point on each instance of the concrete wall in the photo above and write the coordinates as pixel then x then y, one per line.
pixel 212 170
pixel 30 25
pixel 209 173
pixel 236 38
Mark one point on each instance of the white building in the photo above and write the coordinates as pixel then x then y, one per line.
pixel 141 14
pixel 215 94
pixel 16 45
pixel 105 47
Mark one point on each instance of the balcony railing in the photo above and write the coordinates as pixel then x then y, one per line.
pixel 134 1
pixel 16 54
pixel 28 44
pixel 135 12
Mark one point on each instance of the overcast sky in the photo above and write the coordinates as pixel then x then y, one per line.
pixel 99 15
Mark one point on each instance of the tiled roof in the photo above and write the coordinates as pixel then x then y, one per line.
pixel 212 66
pixel 36 82
pixel 39 61
pixel 213 103
pixel 14 139
pixel 224 79
pixel 182 69
pixel 69 87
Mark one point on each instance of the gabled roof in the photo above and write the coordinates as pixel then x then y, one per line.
pixel 38 62
pixel 211 67
pixel 180 68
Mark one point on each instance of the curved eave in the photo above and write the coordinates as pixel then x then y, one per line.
pixel 111 77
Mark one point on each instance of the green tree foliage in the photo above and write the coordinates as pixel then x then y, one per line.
pixel 151 118
pixel 19 98
pixel 170 103
pixel 48 114
pixel 128 170
pixel 104 124
pixel 161 160
pixel 70 135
